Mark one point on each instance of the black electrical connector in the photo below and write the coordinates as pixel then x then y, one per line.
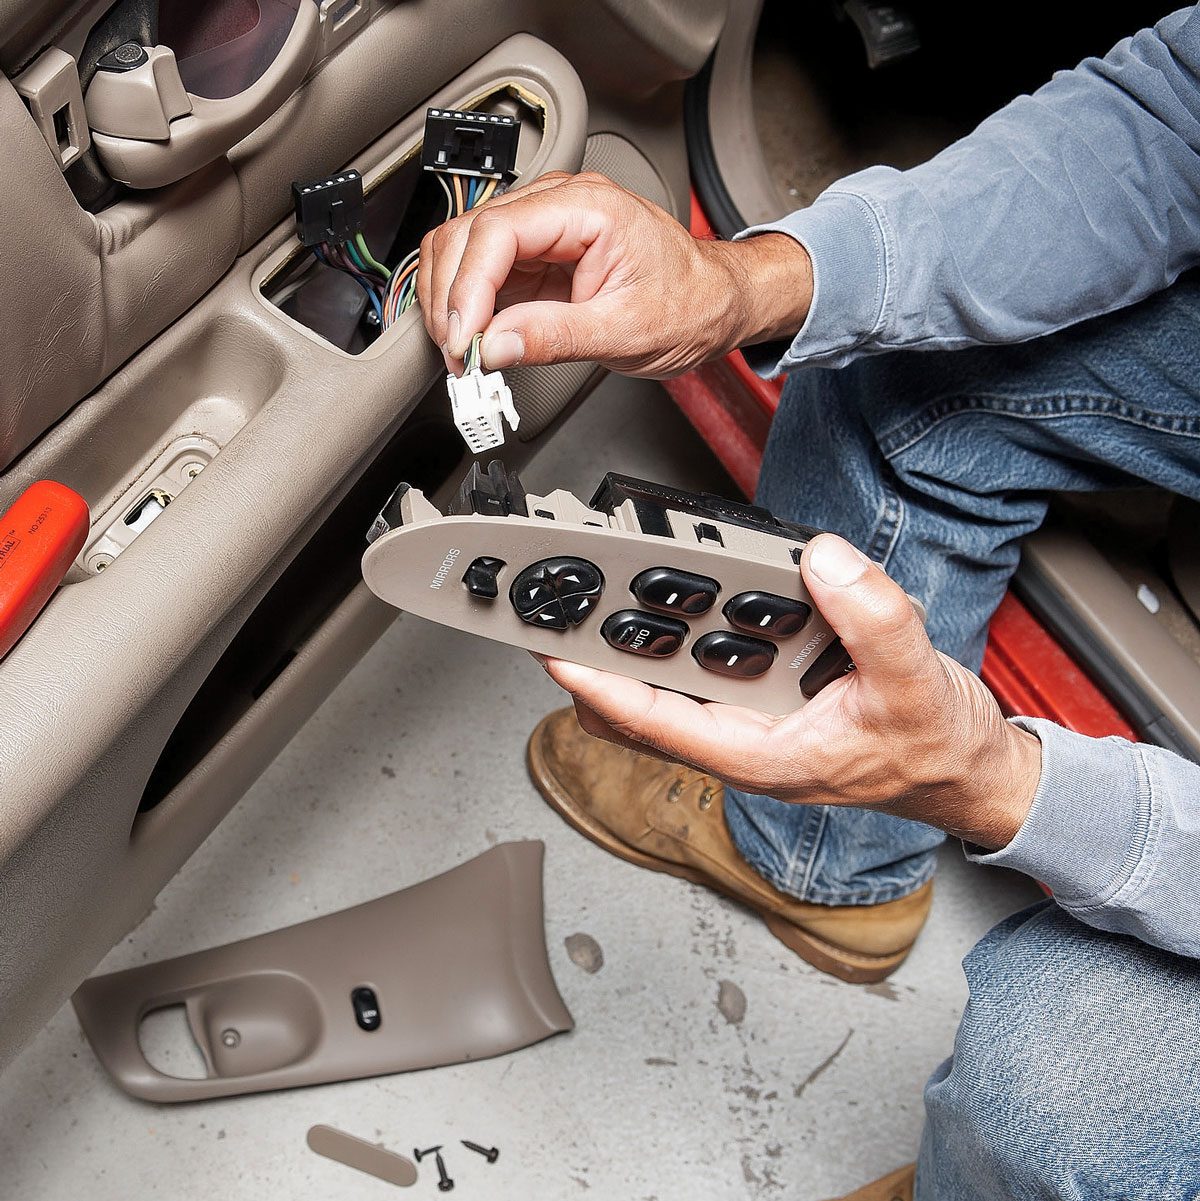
pixel 329 210
pixel 468 143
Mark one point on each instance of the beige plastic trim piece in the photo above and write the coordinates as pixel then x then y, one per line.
pixel 50 89
pixel 1116 620
pixel 458 965
pixel 140 103
pixel 366 1157
pixel 131 142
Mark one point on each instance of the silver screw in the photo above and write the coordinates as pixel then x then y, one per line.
pixel 192 470
pixel 230 1038
pixel 100 562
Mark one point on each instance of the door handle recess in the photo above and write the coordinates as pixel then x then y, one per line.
pixel 150 131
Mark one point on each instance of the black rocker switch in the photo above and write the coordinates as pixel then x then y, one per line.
pixel 675 591
pixel 734 655
pixel 366 1008
pixel 481 577
pixel 644 633
pixel 766 613
pixel 832 663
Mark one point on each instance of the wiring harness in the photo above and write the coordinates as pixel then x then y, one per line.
pixel 330 215
pixel 471 154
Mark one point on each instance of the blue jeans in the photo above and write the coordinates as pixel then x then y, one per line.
pixel 937 465
pixel 1075 1074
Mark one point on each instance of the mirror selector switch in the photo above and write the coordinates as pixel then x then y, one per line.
pixel 766 613
pixel 482 577
pixel 646 634
pixel 675 591
pixel 735 655
pixel 553 594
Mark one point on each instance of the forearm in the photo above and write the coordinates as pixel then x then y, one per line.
pixel 1114 832
pixel 1073 202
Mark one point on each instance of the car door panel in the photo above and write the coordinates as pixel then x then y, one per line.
pixel 148 696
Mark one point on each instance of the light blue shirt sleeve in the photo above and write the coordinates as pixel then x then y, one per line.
pixel 1077 200
pixel 1114 833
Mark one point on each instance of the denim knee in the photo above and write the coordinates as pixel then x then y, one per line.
pixel 1074 1072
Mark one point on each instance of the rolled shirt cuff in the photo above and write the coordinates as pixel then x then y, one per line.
pixel 843 233
pixel 1085 836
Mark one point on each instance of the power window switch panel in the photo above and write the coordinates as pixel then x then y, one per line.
pixel 735 655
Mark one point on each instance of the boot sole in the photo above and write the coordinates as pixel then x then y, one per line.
pixel 846 965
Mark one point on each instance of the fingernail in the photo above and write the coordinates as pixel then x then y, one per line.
pixel 836 562
pixel 505 348
pixel 453 333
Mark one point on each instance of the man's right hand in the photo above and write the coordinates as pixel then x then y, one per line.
pixel 574 267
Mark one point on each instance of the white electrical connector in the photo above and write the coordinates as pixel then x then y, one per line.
pixel 478 401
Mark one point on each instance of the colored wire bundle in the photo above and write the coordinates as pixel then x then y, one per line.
pixel 401 293
pixel 356 260
pixel 471 362
pixel 392 293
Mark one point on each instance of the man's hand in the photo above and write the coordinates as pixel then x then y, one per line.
pixel 579 268
pixel 909 732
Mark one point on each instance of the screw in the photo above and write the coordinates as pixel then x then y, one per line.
pixel 230 1038
pixel 100 562
pixel 491 1154
pixel 445 1184
pixel 419 1155
pixel 192 470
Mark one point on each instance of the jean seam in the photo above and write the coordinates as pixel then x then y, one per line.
pixel 1047 408
pixel 871 896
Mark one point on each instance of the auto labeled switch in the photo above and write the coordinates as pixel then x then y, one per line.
pixel 735 655
pixel 646 634
pixel 675 591
pixel 767 613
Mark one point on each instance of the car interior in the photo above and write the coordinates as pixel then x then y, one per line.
pixel 235 413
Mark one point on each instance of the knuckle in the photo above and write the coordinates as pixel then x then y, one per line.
pixel 895 615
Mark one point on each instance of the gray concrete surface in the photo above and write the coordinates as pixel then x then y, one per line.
pixel 708 1062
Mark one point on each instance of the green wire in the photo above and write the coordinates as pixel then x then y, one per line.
pixel 472 363
pixel 361 243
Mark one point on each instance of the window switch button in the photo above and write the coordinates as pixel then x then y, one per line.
pixel 735 655
pixel 766 613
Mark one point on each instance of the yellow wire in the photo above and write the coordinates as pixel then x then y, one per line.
pixel 459 202
pixel 486 194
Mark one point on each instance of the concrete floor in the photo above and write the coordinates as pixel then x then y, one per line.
pixel 416 764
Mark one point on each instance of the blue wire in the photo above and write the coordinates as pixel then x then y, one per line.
pixel 471 190
pixel 362 283
pixel 374 299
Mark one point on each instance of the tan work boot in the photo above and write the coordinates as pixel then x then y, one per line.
pixel 672 819
pixel 896 1187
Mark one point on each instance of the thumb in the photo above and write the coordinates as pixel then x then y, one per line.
pixel 544 331
pixel 869 612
